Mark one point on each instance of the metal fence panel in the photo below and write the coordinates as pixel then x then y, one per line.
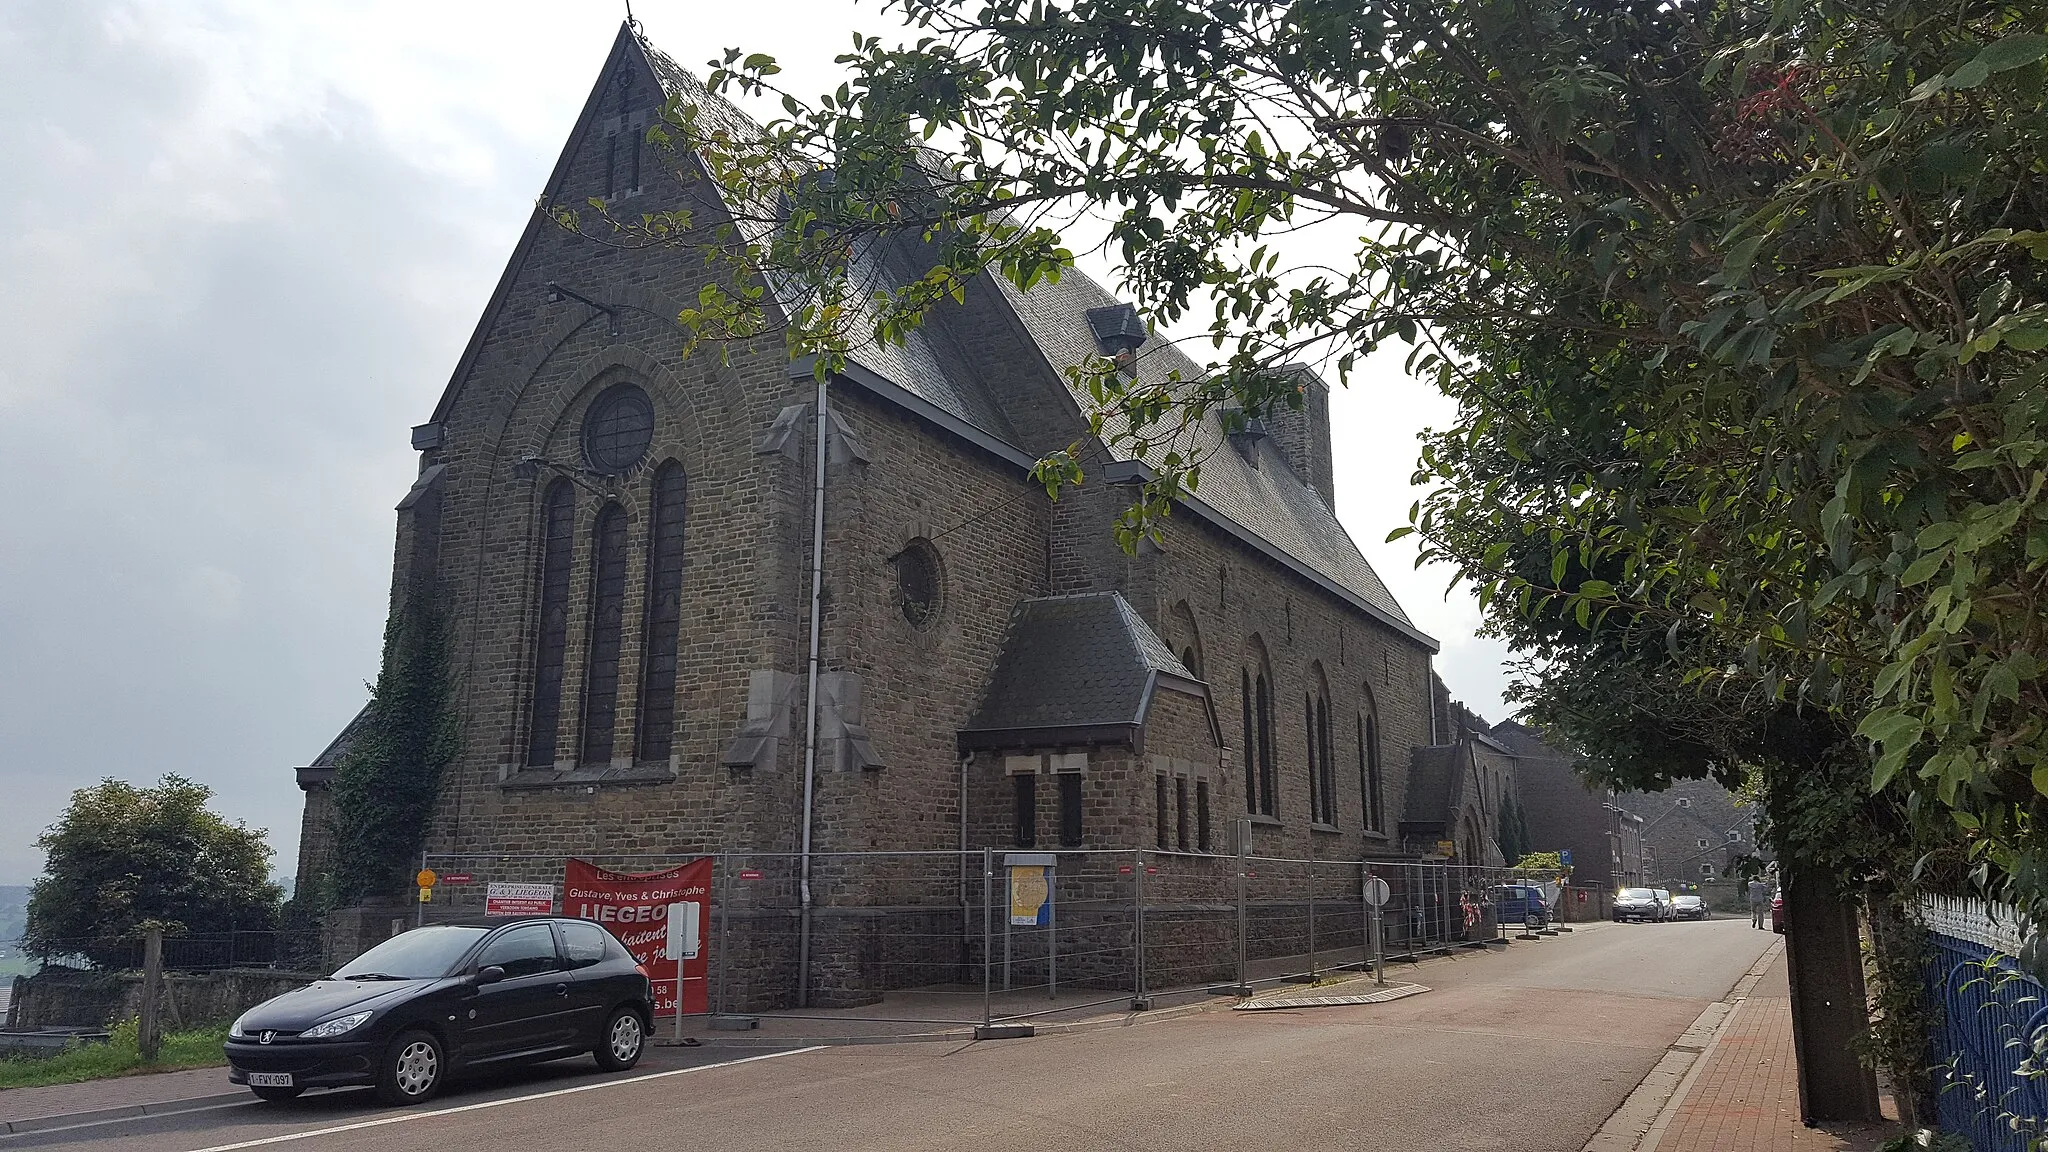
pixel 1991 1037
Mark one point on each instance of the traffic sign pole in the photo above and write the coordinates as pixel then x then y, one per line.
pixel 1376 894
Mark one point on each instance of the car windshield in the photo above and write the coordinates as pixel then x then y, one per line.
pixel 421 954
pixel 1636 894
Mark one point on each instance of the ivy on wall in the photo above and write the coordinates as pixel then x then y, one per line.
pixel 387 782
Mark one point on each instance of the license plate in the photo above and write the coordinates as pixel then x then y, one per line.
pixel 270 1079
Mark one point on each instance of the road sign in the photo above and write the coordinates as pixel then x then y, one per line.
pixel 425 878
pixel 1564 857
pixel 426 895
pixel 685 931
pixel 1376 892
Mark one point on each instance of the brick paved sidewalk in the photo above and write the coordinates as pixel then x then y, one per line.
pixel 115 1092
pixel 1746 1097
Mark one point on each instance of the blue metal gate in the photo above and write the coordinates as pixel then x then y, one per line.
pixel 1990 1043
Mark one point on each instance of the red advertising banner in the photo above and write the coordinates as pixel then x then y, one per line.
pixel 634 907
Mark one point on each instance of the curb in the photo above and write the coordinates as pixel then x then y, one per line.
pixel 1639 1123
pixel 119 1112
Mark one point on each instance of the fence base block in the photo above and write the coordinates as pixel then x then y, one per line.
pixel 1141 1003
pixel 1229 989
pixel 734 1023
pixel 1004 1031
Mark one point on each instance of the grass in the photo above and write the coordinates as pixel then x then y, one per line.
pixel 119 1056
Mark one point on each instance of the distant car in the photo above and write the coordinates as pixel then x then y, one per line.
pixel 1688 908
pixel 1664 904
pixel 1519 904
pixel 1639 904
pixel 448 998
pixel 1778 910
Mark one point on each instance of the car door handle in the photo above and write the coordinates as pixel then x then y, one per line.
pixel 561 989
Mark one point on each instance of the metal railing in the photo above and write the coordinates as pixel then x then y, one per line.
pixel 292 950
pixel 1990 1039
pixel 911 941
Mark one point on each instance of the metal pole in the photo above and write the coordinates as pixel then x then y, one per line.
pixel 1009 902
pixel 724 928
pixel 1312 912
pixel 1244 834
pixel 1379 949
pixel 1138 929
pixel 1052 932
pixel 988 910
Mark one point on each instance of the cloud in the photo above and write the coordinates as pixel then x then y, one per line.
pixel 223 309
pixel 245 242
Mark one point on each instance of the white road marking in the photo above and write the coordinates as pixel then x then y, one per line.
pixel 410 1116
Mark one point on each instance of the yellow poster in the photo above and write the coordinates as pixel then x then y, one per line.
pixel 1030 895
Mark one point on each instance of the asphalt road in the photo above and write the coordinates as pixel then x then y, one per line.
pixel 1528 1049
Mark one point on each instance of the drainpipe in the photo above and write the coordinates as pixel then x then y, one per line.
pixel 803 946
pixel 966 916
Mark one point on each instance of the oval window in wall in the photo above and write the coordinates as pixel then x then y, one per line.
pixel 918 583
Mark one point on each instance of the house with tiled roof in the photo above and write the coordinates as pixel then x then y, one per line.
pixel 708 604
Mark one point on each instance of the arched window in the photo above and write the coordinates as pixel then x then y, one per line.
pixel 1369 766
pixel 1322 763
pixel 1188 635
pixel 607 627
pixel 664 614
pixel 1249 748
pixel 1269 781
pixel 557 549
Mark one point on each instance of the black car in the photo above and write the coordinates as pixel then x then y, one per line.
pixel 447 998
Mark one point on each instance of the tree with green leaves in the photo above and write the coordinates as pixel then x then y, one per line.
pixel 1750 292
pixel 122 856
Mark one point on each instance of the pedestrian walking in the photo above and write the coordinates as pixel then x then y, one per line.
pixel 1759 904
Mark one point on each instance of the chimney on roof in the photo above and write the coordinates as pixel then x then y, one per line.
pixel 1302 435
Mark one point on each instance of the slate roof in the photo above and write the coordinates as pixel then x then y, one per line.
pixel 1265 500
pixel 330 757
pixel 1526 742
pixel 1084 665
pixel 1269 498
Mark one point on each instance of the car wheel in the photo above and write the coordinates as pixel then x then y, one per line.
pixel 624 1039
pixel 413 1069
pixel 277 1093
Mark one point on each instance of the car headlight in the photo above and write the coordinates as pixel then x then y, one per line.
pixel 236 1030
pixel 334 1027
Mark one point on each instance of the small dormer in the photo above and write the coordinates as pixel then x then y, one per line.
pixel 1119 333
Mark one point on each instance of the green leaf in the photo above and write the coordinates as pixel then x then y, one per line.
pixel 1925 567
pixel 2000 56
pixel 1887 766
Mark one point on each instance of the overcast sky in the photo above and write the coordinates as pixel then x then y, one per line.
pixel 244 243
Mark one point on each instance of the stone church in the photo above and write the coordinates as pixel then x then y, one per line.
pixel 627 539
